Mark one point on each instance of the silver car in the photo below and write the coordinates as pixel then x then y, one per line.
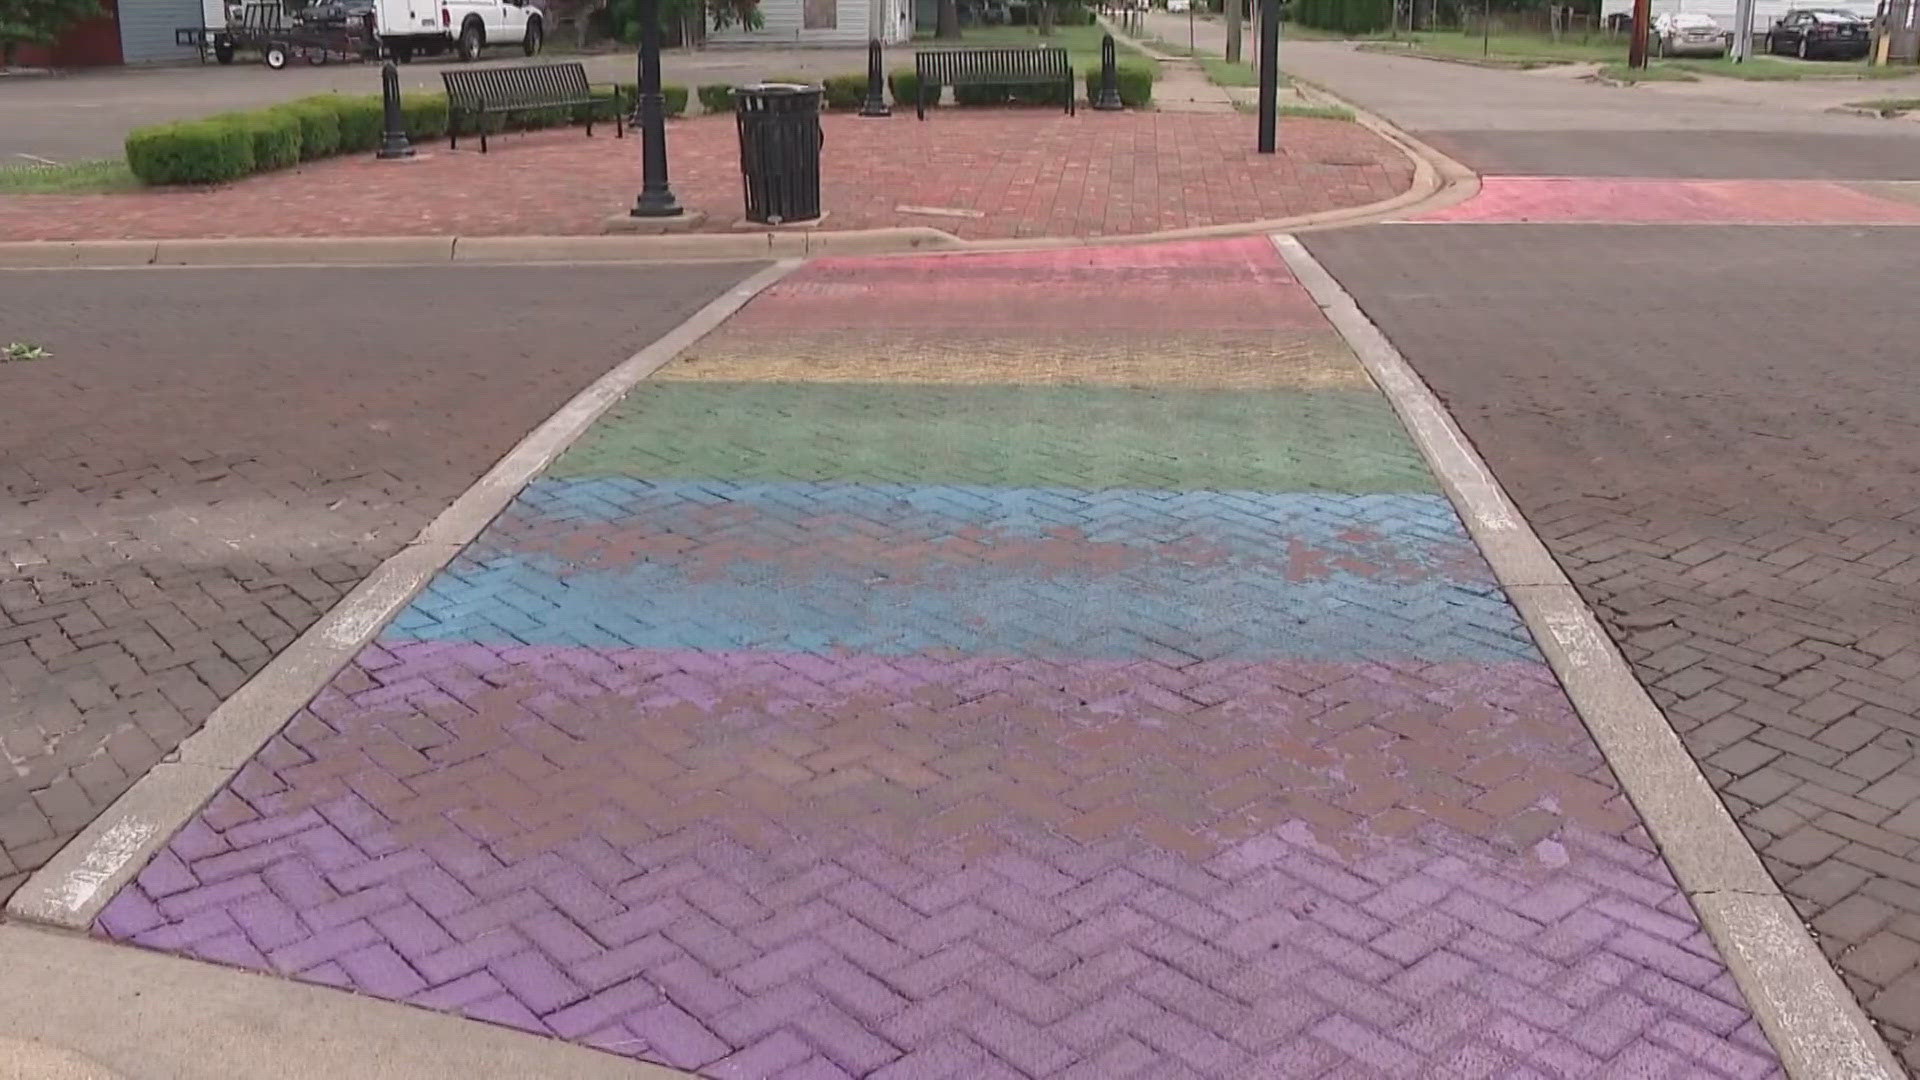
pixel 1686 33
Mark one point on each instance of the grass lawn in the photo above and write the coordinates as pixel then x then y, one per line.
pixel 1771 69
pixel 1297 32
pixel 1887 106
pixel 1081 42
pixel 1515 47
pixel 1310 112
pixel 1650 73
pixel 74 178
pixel 1221 73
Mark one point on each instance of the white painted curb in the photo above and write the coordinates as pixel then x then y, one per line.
pixel 73 886
pixel 1815 1025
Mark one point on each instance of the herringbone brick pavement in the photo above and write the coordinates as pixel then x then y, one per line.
pixel 1731 482
pixel 208 462
pixel 757 866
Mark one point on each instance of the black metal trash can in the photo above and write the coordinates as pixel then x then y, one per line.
pixel 780 140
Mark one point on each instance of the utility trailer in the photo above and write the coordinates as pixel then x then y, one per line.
pixel 266 29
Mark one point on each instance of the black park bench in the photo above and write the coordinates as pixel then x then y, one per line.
pixel 1043 66
pixel 522 88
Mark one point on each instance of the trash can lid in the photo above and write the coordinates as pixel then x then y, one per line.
pixel 774 88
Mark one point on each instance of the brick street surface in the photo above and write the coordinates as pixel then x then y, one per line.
pixel 1520 199
pixel 1014 698
pixel 981 174
pixel 210 459
pixel 1725 464
pixel 1886 153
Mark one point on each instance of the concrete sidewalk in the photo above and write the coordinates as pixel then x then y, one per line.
pixel 1502 122
pixel 974 666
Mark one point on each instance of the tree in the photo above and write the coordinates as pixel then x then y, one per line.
pixel 689 15
pixel 948 25
pixel 38 22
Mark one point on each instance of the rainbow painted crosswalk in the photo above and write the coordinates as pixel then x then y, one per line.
pixel 1042 664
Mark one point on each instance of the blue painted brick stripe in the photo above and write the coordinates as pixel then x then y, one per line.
pixel 908 570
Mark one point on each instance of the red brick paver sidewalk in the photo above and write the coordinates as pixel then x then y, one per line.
pixel 997 175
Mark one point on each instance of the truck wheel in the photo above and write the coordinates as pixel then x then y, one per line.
pixel 402 54
pixel 275 57
pixel 223 52
pixel 536 37
pixel 472 39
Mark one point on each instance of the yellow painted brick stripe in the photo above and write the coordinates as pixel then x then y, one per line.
pixel 1276 360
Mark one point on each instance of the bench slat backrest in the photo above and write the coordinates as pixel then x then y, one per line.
pixel 959 67
pixel 522 86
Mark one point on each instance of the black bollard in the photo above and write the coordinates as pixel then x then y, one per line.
pixel 393 143
pixel 1109 98
pixel 876 103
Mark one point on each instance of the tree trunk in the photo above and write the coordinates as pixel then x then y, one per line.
pixel 948 25
pixel 1233 31
pixel 1046 17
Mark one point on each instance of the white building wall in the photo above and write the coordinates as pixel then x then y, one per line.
pixel 784 23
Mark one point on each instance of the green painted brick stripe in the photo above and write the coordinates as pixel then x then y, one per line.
pixel 1014 436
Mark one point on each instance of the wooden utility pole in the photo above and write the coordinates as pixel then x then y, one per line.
pixel 1637 45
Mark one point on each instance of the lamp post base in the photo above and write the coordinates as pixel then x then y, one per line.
pixel 656 206
pixel 629 223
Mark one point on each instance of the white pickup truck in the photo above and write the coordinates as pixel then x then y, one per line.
pixel 410 27
pixel 400 28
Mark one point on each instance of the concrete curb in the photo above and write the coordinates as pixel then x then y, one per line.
pixel 72 1008
pixel 1813 1021
pixel 69 891
pixel 1438 182
pixel 1453 183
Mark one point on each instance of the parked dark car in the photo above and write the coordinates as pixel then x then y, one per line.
pixel 1820 34
pixel 336 12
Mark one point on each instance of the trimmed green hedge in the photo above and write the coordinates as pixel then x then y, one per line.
pixel 676 97
pixel 425 114
pixel 233 145
pixel 905 83
pixel 319 127
pixel 844 91
pixel 716 97
pixel 196 152
pixel 363 119
pixel 275 136
pixel 1135 82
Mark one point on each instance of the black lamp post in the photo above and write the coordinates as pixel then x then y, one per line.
pixel 656 197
